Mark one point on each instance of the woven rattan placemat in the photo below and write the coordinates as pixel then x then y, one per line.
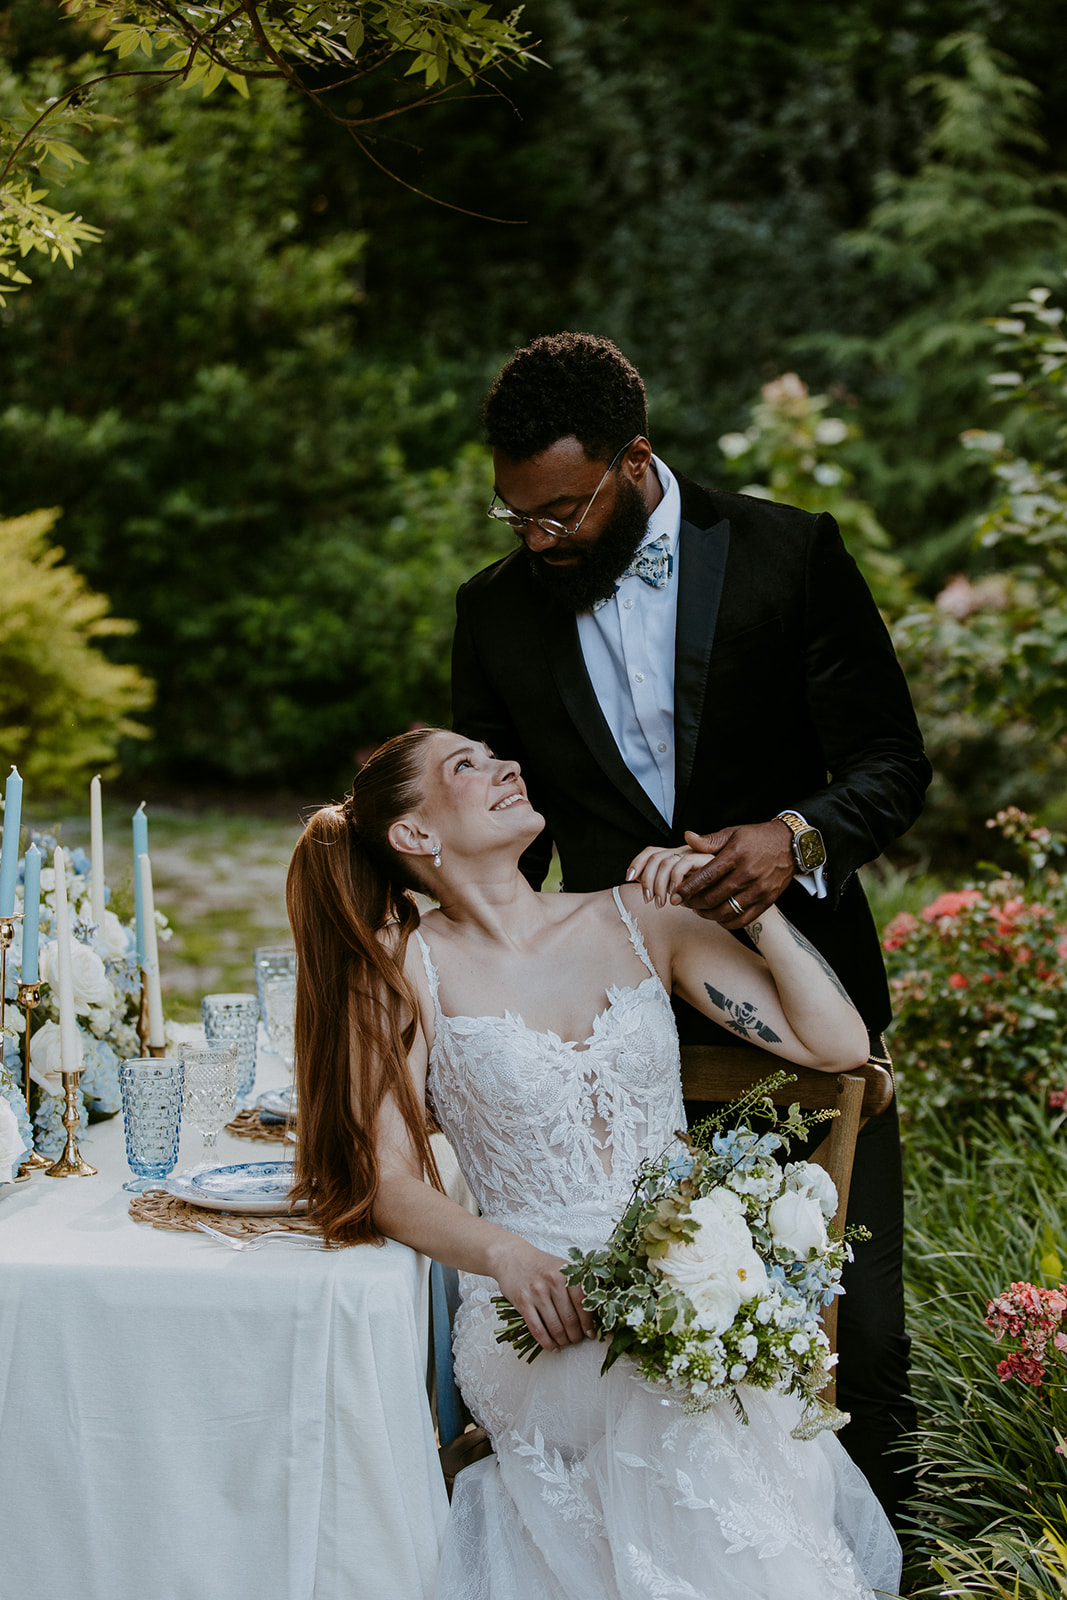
pixel 165 1210
pixel 247 1125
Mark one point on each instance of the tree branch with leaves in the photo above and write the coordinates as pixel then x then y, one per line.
pixel 319 50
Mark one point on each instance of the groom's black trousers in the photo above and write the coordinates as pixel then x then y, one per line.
pixel 872 1375
pixel 872 1372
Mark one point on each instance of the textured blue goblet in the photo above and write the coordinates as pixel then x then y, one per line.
pixel 152 1112
pixel 234 1019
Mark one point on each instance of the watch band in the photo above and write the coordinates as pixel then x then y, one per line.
pixel 809 851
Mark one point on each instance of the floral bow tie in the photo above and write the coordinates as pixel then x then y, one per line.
pixel 653 564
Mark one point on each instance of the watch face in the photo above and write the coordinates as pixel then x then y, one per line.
pixel 810 850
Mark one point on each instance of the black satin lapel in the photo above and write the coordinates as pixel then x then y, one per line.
pixel 559 630
pixel 702 568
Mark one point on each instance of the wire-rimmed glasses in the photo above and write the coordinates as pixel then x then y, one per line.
pixel 549 525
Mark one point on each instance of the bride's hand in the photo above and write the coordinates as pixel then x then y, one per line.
pixel 551 1307
pixel 660 870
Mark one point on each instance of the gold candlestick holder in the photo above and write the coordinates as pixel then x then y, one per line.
pixel 71 1164
pixel 29 998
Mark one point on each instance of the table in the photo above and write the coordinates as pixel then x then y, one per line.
pixel 180 1421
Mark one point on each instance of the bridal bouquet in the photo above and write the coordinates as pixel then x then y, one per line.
pixel 717 1271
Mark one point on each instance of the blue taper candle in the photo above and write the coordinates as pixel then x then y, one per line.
pixel 9 848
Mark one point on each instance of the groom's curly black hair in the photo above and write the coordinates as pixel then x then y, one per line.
pixel 564 384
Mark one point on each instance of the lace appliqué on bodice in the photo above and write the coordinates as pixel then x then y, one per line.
pixel 550 1132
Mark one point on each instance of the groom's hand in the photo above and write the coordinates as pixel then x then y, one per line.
pixel 753 865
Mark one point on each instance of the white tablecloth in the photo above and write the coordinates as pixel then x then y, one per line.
pixel 181 1421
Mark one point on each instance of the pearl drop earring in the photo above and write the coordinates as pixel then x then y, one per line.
pixel 437 856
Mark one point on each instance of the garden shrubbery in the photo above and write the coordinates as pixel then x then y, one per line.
pixel 978 982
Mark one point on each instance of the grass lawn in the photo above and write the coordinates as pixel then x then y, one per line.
pixel 218 876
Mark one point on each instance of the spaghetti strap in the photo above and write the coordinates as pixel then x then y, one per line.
pixel 431 978
pixel 635 933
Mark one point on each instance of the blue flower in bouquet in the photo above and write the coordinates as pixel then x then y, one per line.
pixel 79 861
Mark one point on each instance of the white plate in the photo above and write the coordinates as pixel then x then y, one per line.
pixel 252 1188
pixel 278 1102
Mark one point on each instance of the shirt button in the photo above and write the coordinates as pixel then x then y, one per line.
pixel 627 605
pixel 639 677
pixel 661 747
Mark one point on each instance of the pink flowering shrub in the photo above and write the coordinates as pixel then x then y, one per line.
pixel 1031 1315
pixel 979 983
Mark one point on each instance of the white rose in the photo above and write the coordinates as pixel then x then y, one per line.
pixel 718 1269
pixel 92 987
pixel 808 1178
pixel 796 1224
pixel 117 940
pixel 46 1063
pixel 721 1206
pixel 11 1143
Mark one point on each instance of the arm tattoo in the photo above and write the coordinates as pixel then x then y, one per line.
pixel 754 930
pixel 741 1017
pixel 798 938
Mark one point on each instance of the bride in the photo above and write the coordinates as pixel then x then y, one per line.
pixel 539 1028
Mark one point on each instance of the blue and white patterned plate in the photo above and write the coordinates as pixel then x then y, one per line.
pixel 252 1188
pixel 279 1103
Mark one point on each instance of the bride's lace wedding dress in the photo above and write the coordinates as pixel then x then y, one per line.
pixel 604 1488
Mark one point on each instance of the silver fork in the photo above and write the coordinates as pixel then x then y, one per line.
pixel 256 1241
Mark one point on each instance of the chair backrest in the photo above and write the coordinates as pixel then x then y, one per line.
pixel 721 1073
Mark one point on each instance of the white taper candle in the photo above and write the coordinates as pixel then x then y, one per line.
pixel 96 852
pixel 70 1054
pixel 151 957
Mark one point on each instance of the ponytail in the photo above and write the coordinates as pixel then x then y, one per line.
pixel 356 1013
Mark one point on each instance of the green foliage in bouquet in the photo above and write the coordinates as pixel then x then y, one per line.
pixel 63 705
pixel 978 981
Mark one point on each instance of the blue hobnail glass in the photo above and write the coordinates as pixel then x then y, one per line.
pixel 234 1019
pixel 152 1111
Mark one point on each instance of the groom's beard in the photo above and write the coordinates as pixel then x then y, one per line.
pixel 600 566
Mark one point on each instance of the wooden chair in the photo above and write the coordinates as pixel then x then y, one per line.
pixel 720 1073
pixel 717 1073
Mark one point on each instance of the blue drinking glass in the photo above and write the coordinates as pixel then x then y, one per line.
pixel 152 1112
pixel 234 1019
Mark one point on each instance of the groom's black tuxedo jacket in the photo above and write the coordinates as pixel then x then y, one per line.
pixel 787 696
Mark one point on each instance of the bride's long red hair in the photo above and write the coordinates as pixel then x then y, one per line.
pixel 351 913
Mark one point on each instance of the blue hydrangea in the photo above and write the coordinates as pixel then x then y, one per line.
pixel 100 1075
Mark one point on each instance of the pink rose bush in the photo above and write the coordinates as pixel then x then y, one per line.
pixel 1031 1315
pixel 978 983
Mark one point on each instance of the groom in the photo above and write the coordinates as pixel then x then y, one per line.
pixel 662 657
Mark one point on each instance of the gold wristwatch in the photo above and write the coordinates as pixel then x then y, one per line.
pixel 809 851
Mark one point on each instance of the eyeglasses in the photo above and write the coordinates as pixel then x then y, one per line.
pixel 549 525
